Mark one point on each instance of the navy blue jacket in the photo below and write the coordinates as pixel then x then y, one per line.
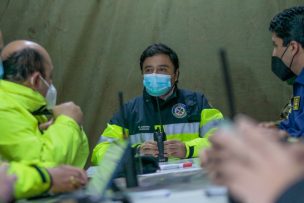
pixel 294 125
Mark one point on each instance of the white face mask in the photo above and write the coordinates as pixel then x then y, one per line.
pixel 51 95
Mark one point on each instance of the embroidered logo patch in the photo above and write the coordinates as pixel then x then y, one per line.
pixel 179 110
pixel 296 103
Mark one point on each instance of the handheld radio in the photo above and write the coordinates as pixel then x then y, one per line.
pixel 160 136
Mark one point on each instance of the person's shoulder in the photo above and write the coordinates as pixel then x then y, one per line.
pixel 192 97
pixel 129 107
pixel 7 102
pixel 187 92
pixel 134 101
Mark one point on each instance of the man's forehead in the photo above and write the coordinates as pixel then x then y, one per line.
pixel 277 40
pixel 158 58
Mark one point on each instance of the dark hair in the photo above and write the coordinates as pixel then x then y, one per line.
pixel 21 64
pixel 156 49
pixel 289 25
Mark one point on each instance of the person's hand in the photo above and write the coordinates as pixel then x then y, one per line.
pixel 67 178
pixel 45 126
pixel 276 133
pixel 6 184
pixel 273 132
pixel 296 150
pixel 69 109
pixel 254 166
pixel 174 148
pixel 149 148
pixel 204 158
pixel 267 124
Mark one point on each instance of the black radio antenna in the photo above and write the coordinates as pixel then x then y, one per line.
pixel 228 83
pixel 159 116
pixel 129 165
pixel 122 111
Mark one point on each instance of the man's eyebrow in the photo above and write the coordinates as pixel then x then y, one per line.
pixel 163 65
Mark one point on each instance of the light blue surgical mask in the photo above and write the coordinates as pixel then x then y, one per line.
pixel 157 84
pixel 1 69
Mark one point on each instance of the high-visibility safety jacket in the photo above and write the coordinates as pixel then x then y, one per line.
pixel 186 116
pixel 32 180
pixel 63 142
pixel 294 124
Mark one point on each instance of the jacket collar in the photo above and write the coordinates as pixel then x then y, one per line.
pixel 24 96
pixel 300 77
pixel 149 98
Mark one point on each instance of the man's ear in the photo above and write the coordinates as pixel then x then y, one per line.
pixel 295 47
pixel 176 75
pixel 34 80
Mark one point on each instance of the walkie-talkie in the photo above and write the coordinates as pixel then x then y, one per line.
pixel 160 136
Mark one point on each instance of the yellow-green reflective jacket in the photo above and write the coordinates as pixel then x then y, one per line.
pixel 32 180
pixel 185 116
pixel 63 142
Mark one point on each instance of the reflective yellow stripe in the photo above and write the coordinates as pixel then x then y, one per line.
pixel 113 131
pixel 210 125
pixel 210 132
pixel 179 131
pixel 140 138
pixel 184 137
pixel 208 115
pixel 210 119
pixel 197 144
pixel 189 133
pixel 184 128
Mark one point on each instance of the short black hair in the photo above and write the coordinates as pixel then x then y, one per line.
pixel 289 25
pixel 21 64
pixel 156 49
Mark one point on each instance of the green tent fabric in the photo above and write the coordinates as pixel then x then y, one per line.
pixel 95 46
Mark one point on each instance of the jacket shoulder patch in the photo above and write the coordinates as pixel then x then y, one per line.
pixel 296 103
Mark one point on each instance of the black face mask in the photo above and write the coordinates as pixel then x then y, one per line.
pixel 279 68
pixel 291 80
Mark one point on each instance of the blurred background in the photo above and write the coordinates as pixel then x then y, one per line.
pixel 96 44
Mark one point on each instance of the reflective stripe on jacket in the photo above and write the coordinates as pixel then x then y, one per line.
pixel 185 116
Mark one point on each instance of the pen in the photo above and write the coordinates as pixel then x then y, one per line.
pixel 176 166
